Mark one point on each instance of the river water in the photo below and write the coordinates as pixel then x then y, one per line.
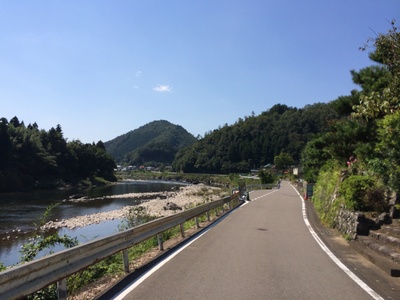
pixel 20 211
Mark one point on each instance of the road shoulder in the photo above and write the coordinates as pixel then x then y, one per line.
pixel 386 286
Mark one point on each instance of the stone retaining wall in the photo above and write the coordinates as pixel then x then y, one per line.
pixel 351 223
pixel 346 222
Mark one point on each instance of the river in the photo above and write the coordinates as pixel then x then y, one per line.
pixel 20 211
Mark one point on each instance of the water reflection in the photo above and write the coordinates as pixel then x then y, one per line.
pixel 19 212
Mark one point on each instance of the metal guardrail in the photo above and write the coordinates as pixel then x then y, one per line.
pixel 28 278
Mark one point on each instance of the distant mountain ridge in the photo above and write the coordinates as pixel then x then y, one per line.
pixel 155 143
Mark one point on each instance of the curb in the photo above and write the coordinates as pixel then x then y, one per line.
pixel 365 247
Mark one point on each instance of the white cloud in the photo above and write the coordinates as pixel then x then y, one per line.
pixel 138 73
pixel 162 88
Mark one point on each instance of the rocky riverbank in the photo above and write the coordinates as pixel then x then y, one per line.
pixel 156 204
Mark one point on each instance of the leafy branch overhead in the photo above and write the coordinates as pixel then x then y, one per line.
pixel 385 98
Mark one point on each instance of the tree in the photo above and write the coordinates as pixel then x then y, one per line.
pixel 376 103
pixel 389 148
pixel 15 122
pixel 283 161
pixel 265 177
pixel 31 158
pixel 346 136
pixel 314 157
pixel 343 105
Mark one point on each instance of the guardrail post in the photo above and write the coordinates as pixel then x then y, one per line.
pixel 196 219
pixel 216 211
pixel 182 230
pixel 208 216
pixel 62 289
pixel 126 261
pixel 160 242
pixel 229 205
pixel 222 209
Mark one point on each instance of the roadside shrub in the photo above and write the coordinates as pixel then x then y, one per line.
pixel 355 189
pixel 266 177
pixel 376 200
pixel 136 216
pixel 324 195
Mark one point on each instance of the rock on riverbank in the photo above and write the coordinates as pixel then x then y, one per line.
pixel 154 203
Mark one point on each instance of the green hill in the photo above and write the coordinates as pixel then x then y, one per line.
pixel 256 140
pixel 155 143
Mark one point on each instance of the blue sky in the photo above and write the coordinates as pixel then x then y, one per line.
pixel 103 68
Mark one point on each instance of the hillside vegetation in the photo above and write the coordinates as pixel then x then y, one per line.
pixel 356 164
pixel 256 140
pixel 155 143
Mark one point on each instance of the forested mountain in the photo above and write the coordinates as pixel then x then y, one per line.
pixel 255 141
pixel 31 158
pixel 154 144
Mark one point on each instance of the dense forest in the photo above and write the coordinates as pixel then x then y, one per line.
pixel 33 158
pixel 255 141
pixel 153 144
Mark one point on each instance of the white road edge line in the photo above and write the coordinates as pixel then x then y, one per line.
pixel 353 276
pixel 255 199
pixel 146 275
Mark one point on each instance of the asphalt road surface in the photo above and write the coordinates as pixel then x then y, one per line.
pixel 262 250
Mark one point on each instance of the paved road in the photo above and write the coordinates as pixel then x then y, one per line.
pixel 262 250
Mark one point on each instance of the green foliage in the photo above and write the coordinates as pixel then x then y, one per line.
pixel 46 215
pixel 314 156
pixel 354 189
pixel 371 79
pixel 154 144
pixel 234 177
pixel 110 265
pixel 363 193
pixel 30 250
pixel 283 161
pixel 325 189
pixel 266 177
pixel 48 293
pixel 32 158
pixel 383 97
pixel 42 243
pixel 370 133
pixel 255 141
pixel 345 137
pixel 389 149
pixel 135 216
pixel 343 105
